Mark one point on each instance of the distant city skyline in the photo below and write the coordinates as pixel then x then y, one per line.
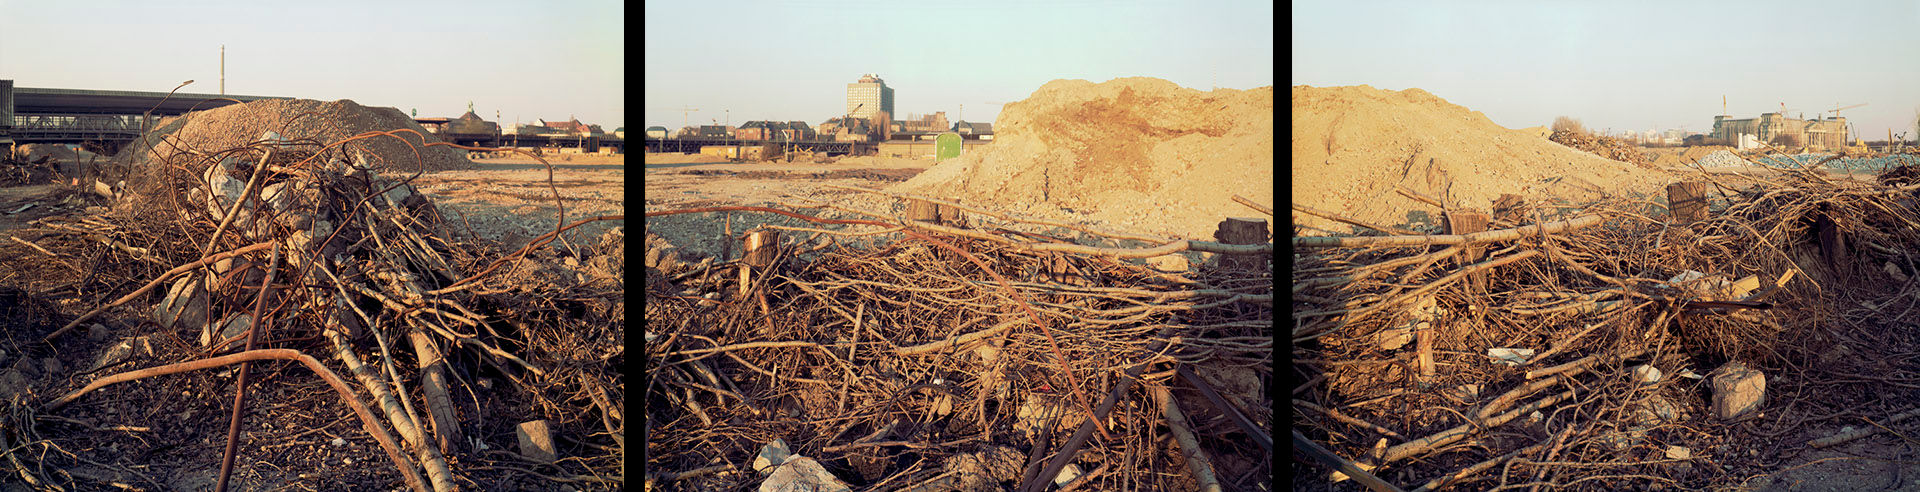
pixel 522 60
pixel 788 61
pixel 1624 65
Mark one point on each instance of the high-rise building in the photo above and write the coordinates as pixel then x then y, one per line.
pixel 868 97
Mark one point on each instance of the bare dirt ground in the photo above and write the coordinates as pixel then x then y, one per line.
pixel 698 181
pixel 508 199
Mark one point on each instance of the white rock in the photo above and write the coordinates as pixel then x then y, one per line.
pixel 1646 374
pixel 771 455
pixel 338 442
pixel 1738 391
pixel 1679 453
pixel 1067 474
pixel 802 473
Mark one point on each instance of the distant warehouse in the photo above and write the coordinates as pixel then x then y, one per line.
pixel 1777 129
pixel 774 130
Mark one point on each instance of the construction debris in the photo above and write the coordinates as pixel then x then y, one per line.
pixel 1790 285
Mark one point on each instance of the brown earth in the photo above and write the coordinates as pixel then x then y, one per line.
pixel 508 199
pixel 1136 154
pixel 1352 145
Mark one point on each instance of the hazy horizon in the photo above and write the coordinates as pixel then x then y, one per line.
pixel 523 60
pixel 788 61
pixel 1625 65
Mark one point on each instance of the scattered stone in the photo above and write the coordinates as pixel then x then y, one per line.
pixel 1067 474
pixel 185 304
pixel 536 441
pixel 12 382
pixel 97 332
pixel 1738 391
pixel 1679 453
pixel 234 326
pixel 771 455
pixel 1646 374
pixel 53 365
pixel 802 473
pixel 338 442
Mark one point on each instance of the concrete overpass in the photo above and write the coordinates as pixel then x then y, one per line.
pixel 104 120
pixel 97 118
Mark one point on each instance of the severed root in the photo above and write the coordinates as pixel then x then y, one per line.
pixel 380 434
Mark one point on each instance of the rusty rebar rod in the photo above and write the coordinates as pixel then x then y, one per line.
pixel 240 391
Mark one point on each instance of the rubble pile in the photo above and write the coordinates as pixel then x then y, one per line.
pixel 1608 147
pixel 322 246
pixel 1624 335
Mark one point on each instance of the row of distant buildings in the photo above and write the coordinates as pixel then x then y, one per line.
pixel 472 124
pixel 868 118
pixel 1748 133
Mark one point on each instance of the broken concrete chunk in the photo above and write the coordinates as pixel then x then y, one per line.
pixel 1646 374
pixel 802 473
pixel 1738 391
pixel 120 352
pixel 771 455
pixel 233 327
pixel 536 441
pixel 1067 474
pixel 185 305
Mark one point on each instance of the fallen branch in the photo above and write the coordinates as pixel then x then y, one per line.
pixel 1449 239
pixel 1844 437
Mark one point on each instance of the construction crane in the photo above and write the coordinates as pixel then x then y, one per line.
pixel 1836 111
pixel 684 111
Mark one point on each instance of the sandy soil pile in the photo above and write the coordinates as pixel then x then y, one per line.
pixel 1352 145
pixel 234 126
pixel 1139 154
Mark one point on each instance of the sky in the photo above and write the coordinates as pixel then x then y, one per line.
pixel 739 61
pixel 526 60
pixel 1625 65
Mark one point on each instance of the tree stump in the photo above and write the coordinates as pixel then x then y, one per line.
pixel 759 254
pixel 1687 201
pixel 924 211
pixel 1242 230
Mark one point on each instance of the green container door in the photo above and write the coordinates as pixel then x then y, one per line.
pixel 946 146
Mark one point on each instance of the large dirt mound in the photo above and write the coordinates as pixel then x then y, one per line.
pixel 1139 153
pixel 325 122
pixel 1352 145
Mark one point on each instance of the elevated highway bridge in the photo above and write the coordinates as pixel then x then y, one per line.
pixel 103 120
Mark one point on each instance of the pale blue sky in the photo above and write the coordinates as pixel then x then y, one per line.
pixel 533 59
pixel 1625 65
pixel 793 60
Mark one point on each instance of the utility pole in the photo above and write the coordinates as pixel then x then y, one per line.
pixel 223 70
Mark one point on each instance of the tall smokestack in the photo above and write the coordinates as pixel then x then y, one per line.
pixel 223 70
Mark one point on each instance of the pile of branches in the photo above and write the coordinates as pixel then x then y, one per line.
pixel 296 250
pixel 1402 367
pixel 1608 147
pixel 16 171
pixel 943 358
